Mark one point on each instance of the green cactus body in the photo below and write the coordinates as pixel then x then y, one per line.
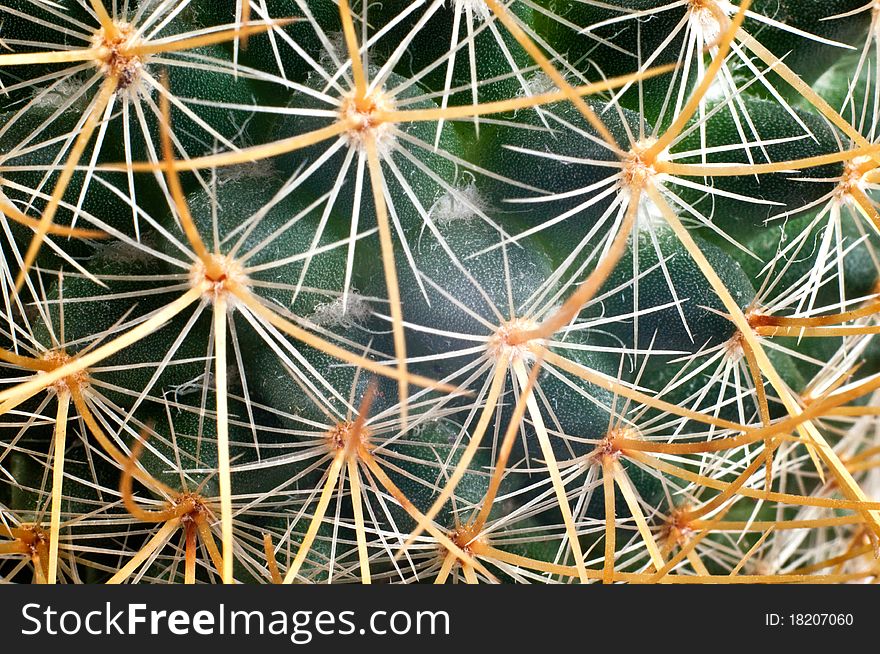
pixel 739 204
pixel 530 292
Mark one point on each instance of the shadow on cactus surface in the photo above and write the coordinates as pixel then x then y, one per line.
pixel 442 291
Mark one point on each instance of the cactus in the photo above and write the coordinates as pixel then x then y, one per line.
pixel 467 290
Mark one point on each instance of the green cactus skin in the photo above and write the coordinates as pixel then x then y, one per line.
pixel 613 46
pixel 774 194
pixel 487 70
pixel 836 20
pixel 705 327
pixel 496 218
pixel 554 153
